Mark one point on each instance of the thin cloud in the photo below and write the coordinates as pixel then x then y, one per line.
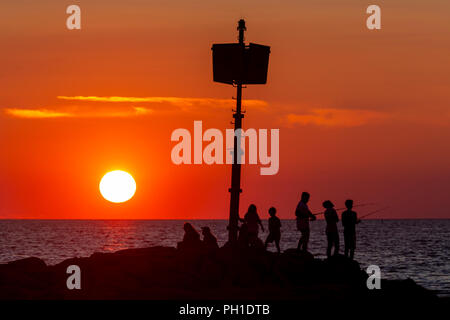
pixel 76 112
pixel 183 103
pixel 91 109
pixel 335 117
pixel 142 111
pixel 36 113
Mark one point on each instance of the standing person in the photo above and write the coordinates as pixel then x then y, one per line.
pixel 331 230
pixel 252 221
pixel 303 215
pixel 349 221
pixel 274 229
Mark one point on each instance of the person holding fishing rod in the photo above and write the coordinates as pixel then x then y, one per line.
pixel 331 231
pixel 303 215
pixel 349 220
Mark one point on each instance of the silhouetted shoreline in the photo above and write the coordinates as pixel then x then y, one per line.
pixel 159 273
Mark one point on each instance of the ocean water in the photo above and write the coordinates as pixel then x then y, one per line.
pixel 417 249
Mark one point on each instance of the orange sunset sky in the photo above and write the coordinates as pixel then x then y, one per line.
pixel 362 114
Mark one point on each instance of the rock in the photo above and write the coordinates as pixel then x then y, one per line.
pixel 225 273
pixel 23 279
pixel 32 263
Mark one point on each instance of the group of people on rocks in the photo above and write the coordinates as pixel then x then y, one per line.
pixel 249 229
pixel 349 221
pixel 191 238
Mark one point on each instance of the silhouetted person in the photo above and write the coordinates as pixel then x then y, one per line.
pixel 274 229
pixel 331 230
pixel 191 238
pixel 349 221
pixel 209 240
pixel 253 222
pixel 303 215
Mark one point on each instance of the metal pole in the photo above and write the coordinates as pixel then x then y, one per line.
pixel 235 189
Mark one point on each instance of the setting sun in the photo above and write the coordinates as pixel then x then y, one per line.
pixel 117 186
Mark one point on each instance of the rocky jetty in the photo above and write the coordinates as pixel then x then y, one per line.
pixel 167 273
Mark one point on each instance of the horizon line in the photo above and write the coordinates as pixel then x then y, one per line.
pixel 180 219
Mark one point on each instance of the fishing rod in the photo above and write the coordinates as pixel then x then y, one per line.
pixel 373 212
pixel 339 209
